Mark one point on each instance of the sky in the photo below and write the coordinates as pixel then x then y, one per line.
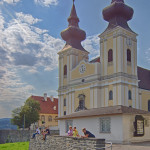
pixel 30 39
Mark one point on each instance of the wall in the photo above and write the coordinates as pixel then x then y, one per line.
pixel 145 97
pixel 65 143
pixel 92 124
pixel 47 122
pixel 129 129
pixel 12 136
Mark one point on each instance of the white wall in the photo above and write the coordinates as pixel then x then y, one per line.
pixel 92 124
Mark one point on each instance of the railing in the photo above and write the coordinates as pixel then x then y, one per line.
pixel 106 147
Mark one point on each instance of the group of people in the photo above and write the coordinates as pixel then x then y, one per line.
pixel 44 132
pixel 74 132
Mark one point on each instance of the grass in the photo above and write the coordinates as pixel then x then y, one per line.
pixel 15 146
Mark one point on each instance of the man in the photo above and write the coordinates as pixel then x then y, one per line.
pixel 46 132
pixel 37 132
pixel 87 133
pixel 70 132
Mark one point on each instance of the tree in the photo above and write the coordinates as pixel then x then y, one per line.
pixel 27 114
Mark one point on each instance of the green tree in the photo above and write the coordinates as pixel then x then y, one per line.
pixel 27 114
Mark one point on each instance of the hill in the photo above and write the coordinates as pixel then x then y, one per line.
pixel 5 124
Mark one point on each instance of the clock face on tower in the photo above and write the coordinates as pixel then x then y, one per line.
pixel 129 42
pixel 82 68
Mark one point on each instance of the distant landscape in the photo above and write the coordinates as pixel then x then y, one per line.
pixel 5 124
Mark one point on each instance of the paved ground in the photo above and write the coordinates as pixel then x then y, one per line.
pixel 133 146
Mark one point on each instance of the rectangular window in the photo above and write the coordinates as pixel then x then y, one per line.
pixel 67 124
pixel 105 125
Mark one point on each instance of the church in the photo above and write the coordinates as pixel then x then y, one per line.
pixel 110 95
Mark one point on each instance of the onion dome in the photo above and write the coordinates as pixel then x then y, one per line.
pixel 73 35
pixel 118 14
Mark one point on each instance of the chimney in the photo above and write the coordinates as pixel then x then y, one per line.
pixel 52 98
pixel 54 107
pixel 45 96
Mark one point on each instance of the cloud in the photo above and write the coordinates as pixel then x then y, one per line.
pixel 91 44
pixel 46 3
pixel 10 1
pixel 148 55
pixel 24 48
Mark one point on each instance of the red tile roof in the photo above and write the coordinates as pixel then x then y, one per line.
pixel 144 77
pixel 47 107
pixel 95 60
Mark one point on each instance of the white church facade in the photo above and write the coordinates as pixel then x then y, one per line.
pixel 110 95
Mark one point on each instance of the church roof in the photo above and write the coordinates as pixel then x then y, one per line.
pixel 47 107
pixel 118 14
pixel 143 75
pixel 73 35
pixel 111 110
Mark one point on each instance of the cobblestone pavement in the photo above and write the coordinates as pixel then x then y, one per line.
pixel 134 146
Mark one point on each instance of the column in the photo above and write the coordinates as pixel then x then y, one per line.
pixel 114 54
pixel 114 95
pixel 73 109
pixel 119 95
pixel 126 95
pixel 133 97
pixel 62 71
pixel 137 100
pixel 102 57
pixel 62 105
pixel 125 55
pixel 69 101
pixel 67 104
pixel 68 69
pixel 132 60
pixel 102 97
pixel 106 96
pixel 95 97
pixel 105 57
pixel 91 97
pixel 120 53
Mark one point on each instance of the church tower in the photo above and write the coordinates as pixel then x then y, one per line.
pixel 69 58
pixel 118 52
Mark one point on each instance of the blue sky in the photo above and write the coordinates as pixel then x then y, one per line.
pixel 30 39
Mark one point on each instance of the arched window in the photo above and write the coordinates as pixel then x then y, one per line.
pixel 43 119
pixel 50 118
pixel 129 55
pixel 56 118
pixel 129 95
pixel 64 112
pixel 110 55
pixel 148 105
pixel 110 95
pixel 64 102
pixel 65 70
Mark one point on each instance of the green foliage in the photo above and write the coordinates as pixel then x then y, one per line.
pixel 27 114
pixel 15 146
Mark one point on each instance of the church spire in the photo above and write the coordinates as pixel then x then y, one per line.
pixel 118 14
pixel 73 35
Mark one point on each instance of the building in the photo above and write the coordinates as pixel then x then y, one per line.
pixel 111 81
pixel 48 112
